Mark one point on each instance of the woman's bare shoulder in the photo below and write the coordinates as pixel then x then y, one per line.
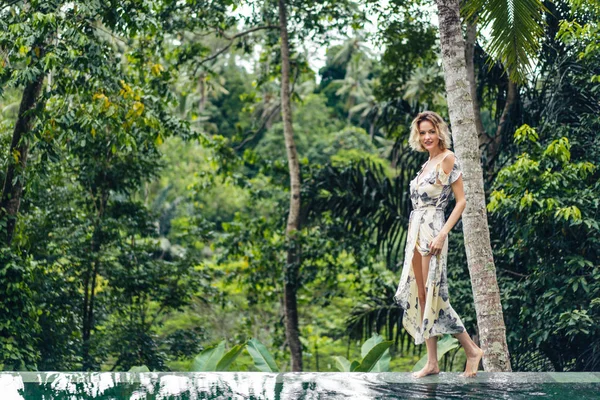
pixel 447 163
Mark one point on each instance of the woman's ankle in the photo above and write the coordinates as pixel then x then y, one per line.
pixel 432 365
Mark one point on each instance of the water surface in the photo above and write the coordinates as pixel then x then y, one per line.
pixel 305 385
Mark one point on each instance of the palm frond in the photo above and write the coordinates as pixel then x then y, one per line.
pixel 517 27
pixel 376 314
pixel 368 202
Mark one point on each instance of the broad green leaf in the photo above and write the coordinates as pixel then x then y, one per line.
pixel 383 365
pixel 444 345
pixel 355 364
pixel 225 362
pixel 139 368
pixel 342 364
pixel 263 360
pixel 208 359
pixel 374 355
pixel 369 344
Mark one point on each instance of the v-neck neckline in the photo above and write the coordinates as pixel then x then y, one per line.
pixel 425 166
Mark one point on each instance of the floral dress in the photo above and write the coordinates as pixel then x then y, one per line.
pixel 429 199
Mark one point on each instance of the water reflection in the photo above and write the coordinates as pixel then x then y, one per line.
pixel 10 386
pixel 306 386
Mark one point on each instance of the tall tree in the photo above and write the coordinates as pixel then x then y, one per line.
pixel 25 46
pixel 14 180
pixel 293 221
pixel 480 260
pixel 314 20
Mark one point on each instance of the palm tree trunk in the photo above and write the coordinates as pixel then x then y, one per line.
pixel 476 231
pixel 470 64
pixel 17 159
pixel 292 330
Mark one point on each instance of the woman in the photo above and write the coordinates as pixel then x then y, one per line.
pixel 423 288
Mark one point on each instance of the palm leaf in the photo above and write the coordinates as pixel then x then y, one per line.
pixel 367 202
pixel 377 314
pixel 517 27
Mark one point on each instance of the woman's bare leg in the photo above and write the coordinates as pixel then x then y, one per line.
pixel 417 266
pixel 432 366
pixel 473 352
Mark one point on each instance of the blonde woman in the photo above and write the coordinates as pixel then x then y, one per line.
pixel 423 288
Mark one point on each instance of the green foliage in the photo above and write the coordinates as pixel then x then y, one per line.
pixel 409 65
pixel 582 29
pixel 209 358
pixel 104 113
pixel 139 368
pixel 367 201
pixel 545 206
pixel 375 357
pixel 153 215
pixel 525 132
pixel 263 360
pixel 214 358
pixel 314 132
pixel 19 325
pixel 227 359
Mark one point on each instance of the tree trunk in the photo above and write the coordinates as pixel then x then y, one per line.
pixel 17 159
pixel 89 288
pixel 202 87
pixel 475 228
pixel 493 147
pixel 470 64
pixel 372 129
pixel 293 223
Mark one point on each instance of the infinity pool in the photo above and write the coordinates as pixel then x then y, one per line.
pixel 305 385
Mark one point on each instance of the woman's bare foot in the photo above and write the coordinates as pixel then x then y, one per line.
pixel 427 370
pixel 473 363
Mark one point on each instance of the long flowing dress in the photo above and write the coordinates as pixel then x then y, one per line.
pixel 429 200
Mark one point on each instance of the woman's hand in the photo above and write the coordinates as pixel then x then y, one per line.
pixel 436 245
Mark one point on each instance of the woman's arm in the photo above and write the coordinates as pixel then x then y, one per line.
pixel 461 202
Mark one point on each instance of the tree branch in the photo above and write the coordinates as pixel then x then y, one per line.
pixel 268 118
pixel 10 4
pixel 243 33
pixel 231 39
pixel 259 129
pixel 218 53
pixel 514 273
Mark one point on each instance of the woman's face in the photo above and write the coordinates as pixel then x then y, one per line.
pixel 428 136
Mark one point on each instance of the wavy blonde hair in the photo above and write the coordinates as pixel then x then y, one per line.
pixel 440 128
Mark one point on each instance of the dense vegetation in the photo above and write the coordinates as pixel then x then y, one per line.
pixel 153 187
